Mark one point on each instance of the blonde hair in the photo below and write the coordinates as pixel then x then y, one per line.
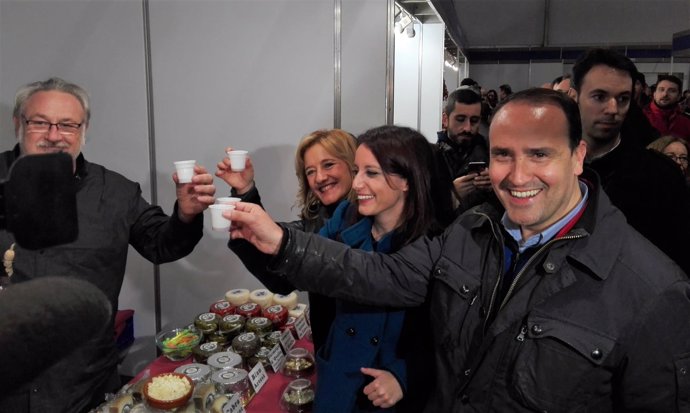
pixel 337 143
pixel 660 144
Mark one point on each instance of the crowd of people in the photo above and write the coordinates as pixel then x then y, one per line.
pixel 538 264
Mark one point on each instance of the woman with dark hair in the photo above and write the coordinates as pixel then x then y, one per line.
pixel 323 165
pixel 379 358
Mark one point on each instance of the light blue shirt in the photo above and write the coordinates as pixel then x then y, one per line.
pixel 539 239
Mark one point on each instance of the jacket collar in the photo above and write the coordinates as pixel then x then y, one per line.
pixel 595 247
pixel 665 113
pixel 359 235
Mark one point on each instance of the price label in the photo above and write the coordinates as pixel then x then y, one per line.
pixel 258 377
pixel 301 327
pixel 234 405
pixel 287 340
pixel 276 358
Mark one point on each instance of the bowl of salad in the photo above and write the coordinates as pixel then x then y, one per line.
pixel 177 344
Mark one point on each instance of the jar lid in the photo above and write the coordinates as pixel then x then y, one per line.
pixel 195 371
pixel 224 360
pixel 229 376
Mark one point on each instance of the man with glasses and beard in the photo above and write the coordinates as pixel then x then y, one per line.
pixel 461 147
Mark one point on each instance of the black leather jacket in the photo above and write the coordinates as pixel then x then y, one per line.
pixel 598 321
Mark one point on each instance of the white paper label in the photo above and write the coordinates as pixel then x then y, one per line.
pixel 258 377
pixel 301 327
pixel 234 405
pixel 287 340
pixel 276 358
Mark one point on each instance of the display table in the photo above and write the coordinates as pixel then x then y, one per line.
pixel 266 401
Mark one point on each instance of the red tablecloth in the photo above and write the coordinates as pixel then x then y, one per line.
pixel 266 401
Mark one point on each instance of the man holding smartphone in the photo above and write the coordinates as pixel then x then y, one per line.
pixel 462 152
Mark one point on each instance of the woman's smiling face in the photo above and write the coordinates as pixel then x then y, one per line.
pixel 329 177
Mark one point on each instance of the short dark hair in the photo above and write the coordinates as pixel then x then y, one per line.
pixel 540 96
pixel 670 78
pixel 606 57
pixel 407 153
pixel 506 89
pixel 466 95
pixel 468 81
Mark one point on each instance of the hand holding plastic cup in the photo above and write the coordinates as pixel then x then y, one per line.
pixel 185 171
pixel 218 222
pixel 238 160
pixel 227 200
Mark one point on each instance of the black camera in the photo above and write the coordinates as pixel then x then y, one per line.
pixel 39 204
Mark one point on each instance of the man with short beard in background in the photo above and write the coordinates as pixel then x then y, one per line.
pixel 664 112
pixel 460 143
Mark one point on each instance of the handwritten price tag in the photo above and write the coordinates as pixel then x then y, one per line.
pixel 234 405
pixel 276 358
pixel 301 327
pixel 287 340
pixel 258 377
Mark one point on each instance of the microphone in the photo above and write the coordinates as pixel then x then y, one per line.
pixel 43 320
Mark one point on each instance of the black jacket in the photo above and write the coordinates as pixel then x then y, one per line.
pixel 597 323
pixel 453 162
pixel 651 191
pixel 112 215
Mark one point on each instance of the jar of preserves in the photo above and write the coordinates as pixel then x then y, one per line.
pixel 222 308
pixel 278 315
pixel 249 310
pixel 246 344
pixel 224 360
pixel 298 397
pixel 207 323
pixel 271 339
pixel 261 356
pixel 259 325
pixel 199 373
pixel 233 381
pixel 299 363
pixel 203 351
pixel 232 325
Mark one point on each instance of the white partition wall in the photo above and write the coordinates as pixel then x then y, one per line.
pixel 419 67
pixel 407 78
pixel 363 64
pixel 431 97
pixel 257 75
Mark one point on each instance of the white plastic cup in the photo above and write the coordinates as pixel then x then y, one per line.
pixel 227 200
pixel 185 171
pixel 218 222
pixel 238 159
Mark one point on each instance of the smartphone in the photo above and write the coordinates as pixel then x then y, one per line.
pixel 476 167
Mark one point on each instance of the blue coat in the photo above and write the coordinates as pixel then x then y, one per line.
pixel 360 336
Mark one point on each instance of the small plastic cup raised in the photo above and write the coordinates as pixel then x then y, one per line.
pixel 185 171
pixel 237 160
pixel 218 222
pixel 227 200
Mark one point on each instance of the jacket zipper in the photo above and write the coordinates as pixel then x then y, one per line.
pixel 521 337
pixel 529 261
pixel 499 277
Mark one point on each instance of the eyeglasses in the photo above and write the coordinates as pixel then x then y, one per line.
pixel 42 126
pixel 682 159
